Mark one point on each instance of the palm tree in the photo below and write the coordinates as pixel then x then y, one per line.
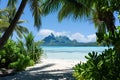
pixel 30 47
pixel 100 11
pixel 36 11
pixel 5 18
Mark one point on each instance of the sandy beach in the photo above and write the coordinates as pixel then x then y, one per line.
pixel 47 69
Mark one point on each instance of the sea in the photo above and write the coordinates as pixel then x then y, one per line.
pixel 69 53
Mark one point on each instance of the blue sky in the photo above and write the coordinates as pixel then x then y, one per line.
pixel 81 30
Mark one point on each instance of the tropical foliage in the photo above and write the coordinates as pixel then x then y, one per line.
pixel 10 57
pixel 102 66
pixel 100 12
pixel 19 55
pixel 105 65
pixel 36 11
pixel 30 47
pixel 6 16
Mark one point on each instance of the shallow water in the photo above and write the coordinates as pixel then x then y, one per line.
pixel 70 53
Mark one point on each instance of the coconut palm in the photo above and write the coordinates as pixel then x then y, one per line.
pixel 6 16
pixel 100 11
pixel 36 11
pixel 30 47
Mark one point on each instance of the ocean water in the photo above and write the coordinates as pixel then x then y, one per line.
pixel 69 53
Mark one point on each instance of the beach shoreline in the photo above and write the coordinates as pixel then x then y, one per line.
pixel 47 69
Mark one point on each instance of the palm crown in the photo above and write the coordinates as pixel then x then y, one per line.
pixel 6 16
pixel 35 7
pixel 97 10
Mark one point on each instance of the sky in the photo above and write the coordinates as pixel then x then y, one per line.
pixel 81 30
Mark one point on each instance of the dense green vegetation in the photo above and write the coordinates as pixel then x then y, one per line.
pixel 19 55
pixel 104 66
pixel 23 52
pixel 99 67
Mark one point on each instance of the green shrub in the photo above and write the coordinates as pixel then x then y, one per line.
pixel 31 48
pixel 8 53
pixel 103 66
pixel 23 61
pixel 11 56
pixel 19 55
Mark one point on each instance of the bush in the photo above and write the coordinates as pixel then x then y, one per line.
pixel 19 55
pixel 10 57
pixel 103 66
pixel 31 48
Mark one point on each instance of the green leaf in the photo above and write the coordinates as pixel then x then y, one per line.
pixel 3 61
pixel 119 16
pixel 99 65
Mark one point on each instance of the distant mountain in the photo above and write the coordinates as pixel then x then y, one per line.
pixel 52 40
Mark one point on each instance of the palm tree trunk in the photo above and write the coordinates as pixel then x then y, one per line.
pixel 109 20
pixel 107 17
pixel 10 29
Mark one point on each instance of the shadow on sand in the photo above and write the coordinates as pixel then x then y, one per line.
pixel 37 74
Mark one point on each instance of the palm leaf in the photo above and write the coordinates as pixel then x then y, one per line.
pixel 20 30
pixel 51 6
pixel 70 8
pixel 36 11
pixel 29 41
pixel 4 24
pixel 18 33
pixel 21 21
pixel 12 3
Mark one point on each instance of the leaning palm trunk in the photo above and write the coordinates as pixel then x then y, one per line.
pixel 10 29
pixel 109 20
pixel 107 16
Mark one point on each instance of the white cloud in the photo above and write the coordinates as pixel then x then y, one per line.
pixel 77 36
pixel 46 32
pixel 91 37
pixel 82 38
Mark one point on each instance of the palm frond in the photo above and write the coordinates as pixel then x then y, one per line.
pixel 21 21
pixel 18 33
pixel 20 30
pixel 12 3
pixel 74 9
pixel 36 12
pixel 4 24
pixel 6 18
pixel 29 41
pixel 51 6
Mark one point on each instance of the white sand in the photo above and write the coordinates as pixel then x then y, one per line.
pixel 48 69
pixel 55 64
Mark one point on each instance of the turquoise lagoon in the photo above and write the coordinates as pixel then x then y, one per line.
pixel 69 53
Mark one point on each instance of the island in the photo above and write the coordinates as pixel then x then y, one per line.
pixel 53 40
